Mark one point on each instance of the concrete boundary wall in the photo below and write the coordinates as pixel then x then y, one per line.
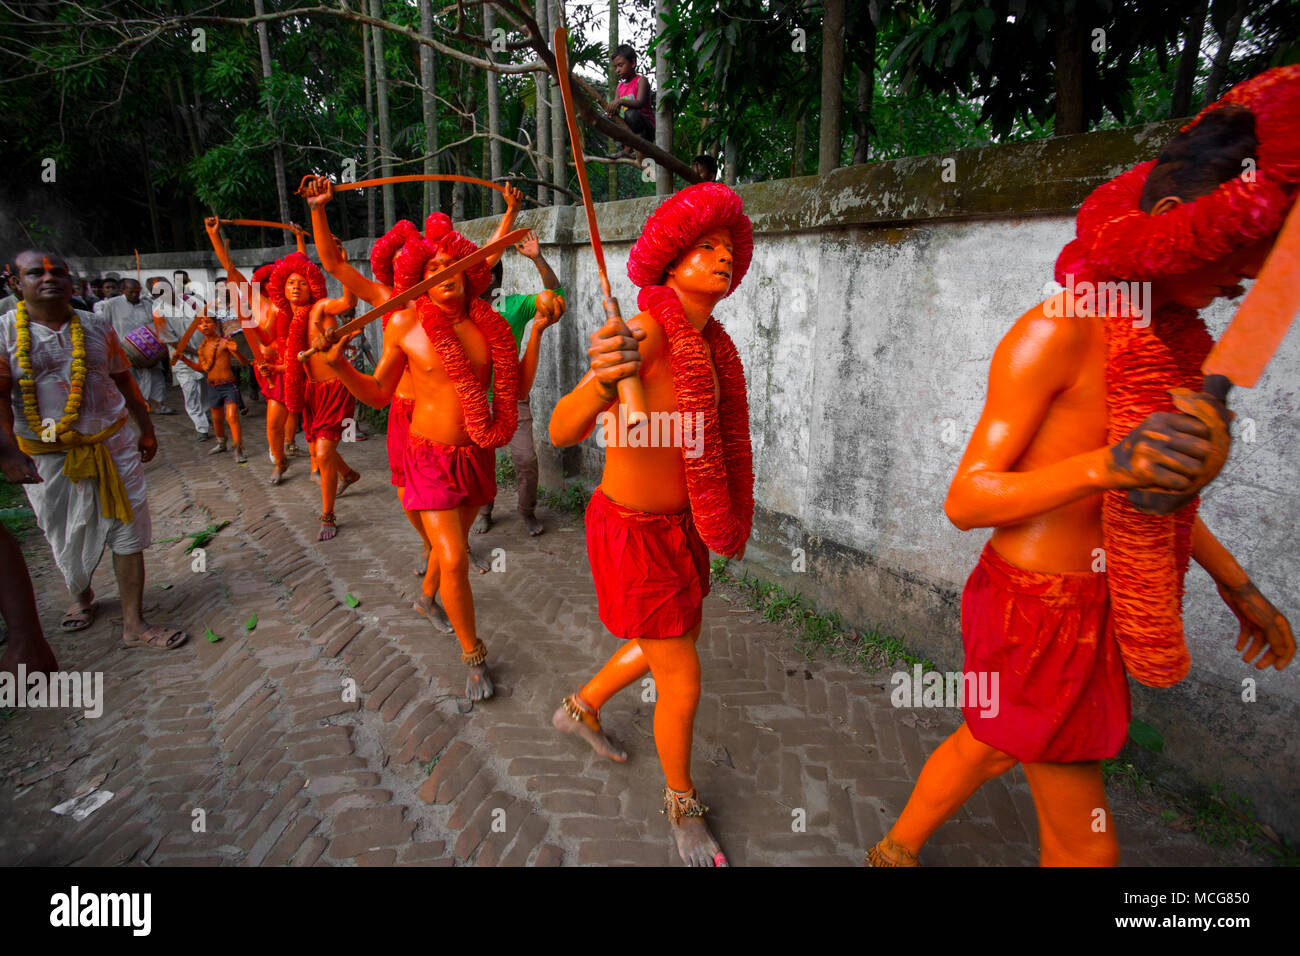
pixel 866 325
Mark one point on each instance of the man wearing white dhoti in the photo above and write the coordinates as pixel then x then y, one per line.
pixel 66 394
pixel 128 313
pixel 172 315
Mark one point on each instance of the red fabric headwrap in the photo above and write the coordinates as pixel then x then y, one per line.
pixel 682 219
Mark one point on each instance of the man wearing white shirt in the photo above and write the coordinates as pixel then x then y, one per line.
pixel 128 313
pixel 172 317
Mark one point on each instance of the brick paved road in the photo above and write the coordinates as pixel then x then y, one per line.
pixel 254 731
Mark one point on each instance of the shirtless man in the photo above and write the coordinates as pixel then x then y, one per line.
pixel 319 192
pixel 218 356
pixel 1063 465
pixel 662 505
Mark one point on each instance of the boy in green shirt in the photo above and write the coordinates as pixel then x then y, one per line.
pixel 518 311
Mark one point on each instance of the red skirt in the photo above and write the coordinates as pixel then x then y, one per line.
pixel 399 426
pixel 441 477
pixel 272 386
pixel 651 570
pixel 324 407
pixel 1062 693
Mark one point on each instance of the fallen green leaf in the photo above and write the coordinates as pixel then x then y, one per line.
pixel 164 587
pixel 1146 736
pixel 252 623
pixel 350 601
pixel 211 636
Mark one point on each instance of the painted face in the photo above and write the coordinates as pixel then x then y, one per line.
pixel 449 294
pixel 296 290
pixel 706 266
pixel 622 68
pixel 1218 279
pixel 43 279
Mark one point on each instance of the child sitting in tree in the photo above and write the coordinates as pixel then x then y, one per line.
pixel 631 97
pixel 217 358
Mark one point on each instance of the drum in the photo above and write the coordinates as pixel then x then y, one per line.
pixel 143 348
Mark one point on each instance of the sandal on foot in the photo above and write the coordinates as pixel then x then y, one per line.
pixel 79 618
pixel 158 638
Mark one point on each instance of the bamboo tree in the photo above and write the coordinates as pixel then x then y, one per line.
pixel 559 140
pixel 372 226
pixel 385 130
pixel 494 113
pixel 613 80
pixel 829 142
pixel 264 48
pixel 543 145
pixel 429 109
pixel 663 115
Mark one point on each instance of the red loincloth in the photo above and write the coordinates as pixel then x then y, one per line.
pixel 324 406
pixel 1063 696
pixel 440 477
pixel 272 386
pixel 651 570
pixel 399 426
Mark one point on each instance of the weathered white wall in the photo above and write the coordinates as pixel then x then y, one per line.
pixel 866 325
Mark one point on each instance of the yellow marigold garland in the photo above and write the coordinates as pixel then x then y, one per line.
pixel 27 382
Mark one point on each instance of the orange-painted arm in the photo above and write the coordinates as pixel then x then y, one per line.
pixel 514 199
pixel 1035 360
pixel 548 311
pixel 613 357
pixel 1262 626
pixel 375 390
pixel 319 191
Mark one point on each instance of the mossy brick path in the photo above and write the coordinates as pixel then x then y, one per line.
pixel 253 730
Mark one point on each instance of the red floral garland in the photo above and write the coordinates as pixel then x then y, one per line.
pixel 720 481
pixel 500 428
pixel 1147 555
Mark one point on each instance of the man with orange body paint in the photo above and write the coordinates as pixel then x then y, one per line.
pixel 319 191
pixel 1064 466
pixel 659 509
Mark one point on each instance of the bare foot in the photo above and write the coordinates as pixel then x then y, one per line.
pixel 695 844
pixel 565 724
pixel 478 686
pixel 534 526
pixel 240 457
pixel 327 531
pixel 428 606
pixel 218 448
pixel 346 480
pixel 482 524
pixel 277 475
pixel 424 566
pixel 478 565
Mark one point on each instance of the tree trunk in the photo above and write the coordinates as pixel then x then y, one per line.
pixel 1069 39
pixel 264 47
pixel 494 114
pixel 828 143
pixel 866 94
pixel 148 190
pixel 797 160
pixel 613 82
pixel 1232 30
pixel 429 105
pixel 1181 103
pixel 559 140
pixel 385 130
pixel 372 226
pixel 541 9
pixel 729 162
pixel 663 115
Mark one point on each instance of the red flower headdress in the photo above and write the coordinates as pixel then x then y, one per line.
pixel 293 338
pixel 383 252
pixel 1147 555
pixel 408 269
pixel 720 481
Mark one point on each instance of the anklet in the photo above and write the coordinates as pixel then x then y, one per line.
pixel 876 858
pixel 573 707
pixel 678 805
pixel 476 657
pixel 327 517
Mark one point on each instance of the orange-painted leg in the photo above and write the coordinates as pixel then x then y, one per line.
pixel 218 425
pixel 445 529
pixel 954 771
pixel 276 416
pixel 326 459
pixel 1075 827
pixel 236 427
pixel 626 666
